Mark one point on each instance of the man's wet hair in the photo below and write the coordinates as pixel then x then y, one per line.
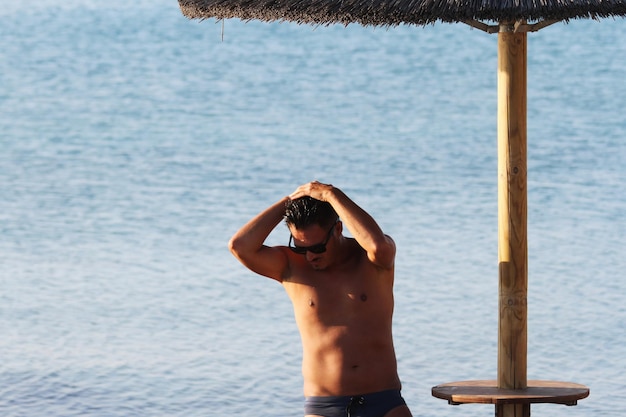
pixel 306 211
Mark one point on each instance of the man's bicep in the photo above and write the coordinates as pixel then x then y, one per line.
pixel 268 261
pixel 384 256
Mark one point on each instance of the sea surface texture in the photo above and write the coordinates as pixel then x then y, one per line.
pixel 135 142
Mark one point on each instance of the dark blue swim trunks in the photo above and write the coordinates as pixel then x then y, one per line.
pixel 368 405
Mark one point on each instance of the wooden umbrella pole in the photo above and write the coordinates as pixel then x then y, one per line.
pixel 512 209
pixel 512 393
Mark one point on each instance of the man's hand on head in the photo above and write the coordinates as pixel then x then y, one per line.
pixel 314 189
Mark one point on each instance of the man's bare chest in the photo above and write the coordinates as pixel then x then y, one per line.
pixel 340 300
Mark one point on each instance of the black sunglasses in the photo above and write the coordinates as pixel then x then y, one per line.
pixel 319 248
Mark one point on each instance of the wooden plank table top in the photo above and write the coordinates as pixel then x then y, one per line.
pixel 487 392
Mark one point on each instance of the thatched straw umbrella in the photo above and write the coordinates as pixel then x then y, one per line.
pixel 387 13
pixel 511 393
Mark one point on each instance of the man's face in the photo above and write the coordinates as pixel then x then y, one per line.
pixel 314 243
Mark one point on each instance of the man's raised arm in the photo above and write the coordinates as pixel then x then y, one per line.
pixel 247 245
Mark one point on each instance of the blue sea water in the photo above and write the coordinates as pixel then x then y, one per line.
pixel 134 142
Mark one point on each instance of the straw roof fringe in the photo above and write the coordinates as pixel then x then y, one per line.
pixel 397 12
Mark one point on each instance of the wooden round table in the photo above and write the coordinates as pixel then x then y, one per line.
pixel 487 392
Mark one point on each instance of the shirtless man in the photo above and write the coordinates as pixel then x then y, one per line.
pixel 342 294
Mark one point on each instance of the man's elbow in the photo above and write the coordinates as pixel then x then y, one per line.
pixel 235 246
pixel 241 248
